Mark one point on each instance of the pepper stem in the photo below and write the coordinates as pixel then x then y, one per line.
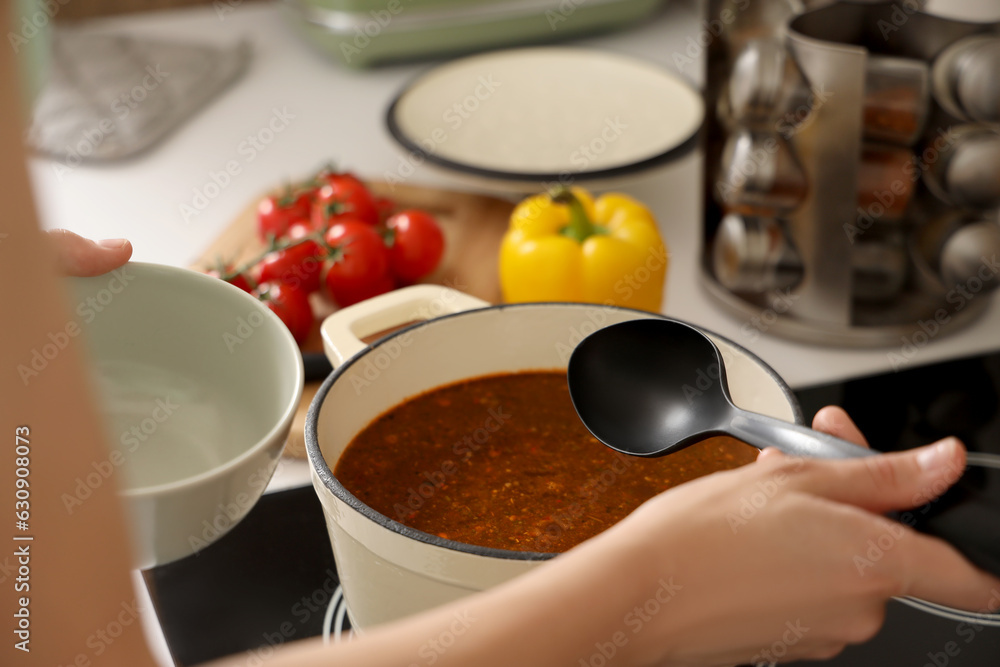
pixel 580 227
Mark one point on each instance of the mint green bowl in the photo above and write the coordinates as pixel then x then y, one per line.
pixel 199 383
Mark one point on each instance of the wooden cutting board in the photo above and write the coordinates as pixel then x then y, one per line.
pixel 472 224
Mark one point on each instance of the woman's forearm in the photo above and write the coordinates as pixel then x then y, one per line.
pixel 75 583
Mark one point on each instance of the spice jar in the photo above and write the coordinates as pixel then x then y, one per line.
pixel 766 89
pixel 886 180
pixel 753 254
pixel 896 100
pixel 759 174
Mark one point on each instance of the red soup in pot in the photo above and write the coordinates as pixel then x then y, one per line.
pixel 504 461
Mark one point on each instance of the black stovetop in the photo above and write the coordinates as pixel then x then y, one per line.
pixel 271 578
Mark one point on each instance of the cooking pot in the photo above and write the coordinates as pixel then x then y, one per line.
pixel 388 570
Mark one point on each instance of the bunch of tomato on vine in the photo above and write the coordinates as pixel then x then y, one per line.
pixel 335 237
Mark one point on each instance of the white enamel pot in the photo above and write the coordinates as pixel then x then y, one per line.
pixel 388 570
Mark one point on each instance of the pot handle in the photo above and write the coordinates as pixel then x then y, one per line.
pixel 342 332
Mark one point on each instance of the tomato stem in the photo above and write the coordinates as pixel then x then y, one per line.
pixel 287 198
pixel 332 208
pixel 388 236
pixel 273 245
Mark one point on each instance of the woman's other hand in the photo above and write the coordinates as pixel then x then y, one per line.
pixel 77 256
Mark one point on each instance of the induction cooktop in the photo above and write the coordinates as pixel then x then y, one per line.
pixel 272 579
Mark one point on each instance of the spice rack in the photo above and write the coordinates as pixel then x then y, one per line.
pixel 852 171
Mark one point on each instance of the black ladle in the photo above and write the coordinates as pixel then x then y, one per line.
pixel 654 386
pixel 651 387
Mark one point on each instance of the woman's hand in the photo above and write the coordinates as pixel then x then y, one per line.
pixel 77 256
pixel 834 420
pixel 792 558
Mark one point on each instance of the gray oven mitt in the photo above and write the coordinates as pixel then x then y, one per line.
pixel 112 96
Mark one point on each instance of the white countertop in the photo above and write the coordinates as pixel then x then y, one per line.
pixel 338 114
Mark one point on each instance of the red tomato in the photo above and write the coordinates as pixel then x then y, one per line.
pixel 237 279
pixel 276 213
pixel 341 196
pixel 300 229
pixel 298 266
pixel 289 304
pixel 358 266
pixel 330 175
pixel 415 244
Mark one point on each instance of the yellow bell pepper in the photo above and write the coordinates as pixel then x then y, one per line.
pixel 568 247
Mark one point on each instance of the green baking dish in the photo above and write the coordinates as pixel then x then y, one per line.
pixel 361 33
